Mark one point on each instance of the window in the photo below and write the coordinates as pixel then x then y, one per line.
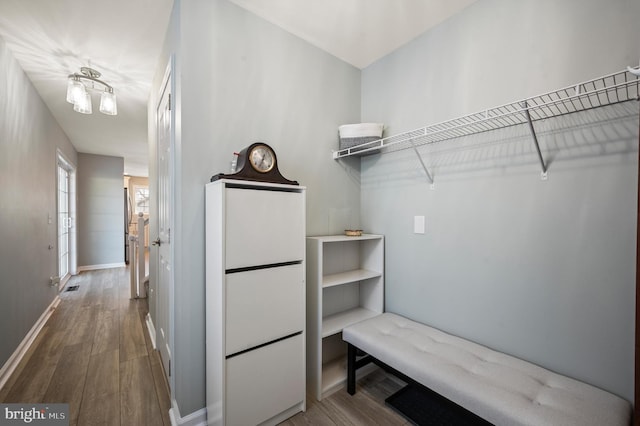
pixel 141 199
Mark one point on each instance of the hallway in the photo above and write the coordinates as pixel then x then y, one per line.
pixel 95 354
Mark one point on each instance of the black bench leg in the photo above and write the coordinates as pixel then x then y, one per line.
pixel 351 369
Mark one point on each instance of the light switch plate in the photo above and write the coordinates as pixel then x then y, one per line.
pixel 418 225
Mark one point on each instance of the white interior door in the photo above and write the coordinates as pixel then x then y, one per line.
pixel 164 289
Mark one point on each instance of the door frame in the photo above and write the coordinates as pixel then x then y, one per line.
pixel 73 241
pixel 168 83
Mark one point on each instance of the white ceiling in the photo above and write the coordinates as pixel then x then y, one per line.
pixel 122 39
pixel 356 31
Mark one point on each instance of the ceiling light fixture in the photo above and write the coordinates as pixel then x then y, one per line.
pixel 78 95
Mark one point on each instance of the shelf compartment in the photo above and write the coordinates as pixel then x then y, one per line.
pixel 335 323
pixel 348 277
pixel 334 374
pixel 610 89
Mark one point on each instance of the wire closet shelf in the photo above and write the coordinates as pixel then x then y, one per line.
pixel 610 89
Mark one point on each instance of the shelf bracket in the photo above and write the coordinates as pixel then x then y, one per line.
pixel 424 167
pixel 535 141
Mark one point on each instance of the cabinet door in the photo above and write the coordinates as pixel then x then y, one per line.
pixel 265 382
pixel 263 227
pixel 263 305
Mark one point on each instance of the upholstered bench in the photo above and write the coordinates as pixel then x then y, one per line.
pixel 497 387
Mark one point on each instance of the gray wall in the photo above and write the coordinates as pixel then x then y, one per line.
pixel 241 80
pixel 29 137
pixel 544 270
pixel 100 210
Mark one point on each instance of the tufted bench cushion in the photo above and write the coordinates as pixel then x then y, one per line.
pixel 499 388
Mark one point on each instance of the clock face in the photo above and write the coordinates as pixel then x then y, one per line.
pixel 262 158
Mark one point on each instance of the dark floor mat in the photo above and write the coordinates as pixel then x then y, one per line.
pixel 423 407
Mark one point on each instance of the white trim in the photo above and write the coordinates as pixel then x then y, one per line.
pixel 103 266
pixel 197 418
pixel 9 367
pixel 73 187
pixel 63 281
pixel 152 330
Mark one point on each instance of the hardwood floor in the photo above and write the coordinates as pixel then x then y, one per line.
pixel 95 354
pixel 365 408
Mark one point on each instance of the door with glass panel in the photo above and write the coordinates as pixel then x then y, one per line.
pixel 65 221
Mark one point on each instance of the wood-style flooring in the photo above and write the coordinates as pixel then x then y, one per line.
pixel 94 353
pixel 365 408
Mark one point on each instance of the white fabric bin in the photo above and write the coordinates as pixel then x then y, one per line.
pixel 356 134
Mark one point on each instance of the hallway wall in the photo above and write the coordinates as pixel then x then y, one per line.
pixel 100 211
pixel 29 138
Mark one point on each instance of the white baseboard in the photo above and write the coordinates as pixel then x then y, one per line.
pixel 152 330
pixel 9 367
pixel 197 418
pixel 63 282
pixel 103 266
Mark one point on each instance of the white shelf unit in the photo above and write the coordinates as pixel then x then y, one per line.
pixel 610 89
pixel 345 285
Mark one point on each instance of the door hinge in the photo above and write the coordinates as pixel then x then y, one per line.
pixel 169 102
pixel 169 368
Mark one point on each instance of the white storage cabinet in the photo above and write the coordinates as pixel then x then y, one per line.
pixel 345 285
pixel 255 302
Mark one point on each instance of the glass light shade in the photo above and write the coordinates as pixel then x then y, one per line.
pixel 84 104
pixel 108 103
pixel 75 90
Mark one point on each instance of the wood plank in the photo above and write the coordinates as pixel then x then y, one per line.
pixel 138 399
pixel 366 407
pixel 110 298
pixel 23 363
pixel 314 416
pixel 91 291
pixel 83 326
pixel 101 397
pixel 61 317
pixel 107 333
pixel 132 342
pixel 32 383
pixel 360 409
pixel 67 383
pixel 380 385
